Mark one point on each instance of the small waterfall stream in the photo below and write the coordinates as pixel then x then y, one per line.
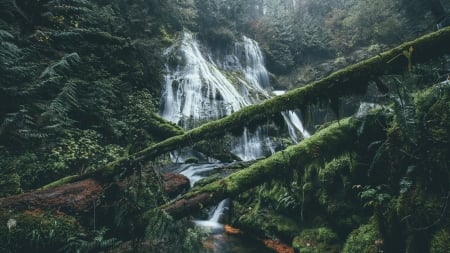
pixel 216 217
pixel 200 86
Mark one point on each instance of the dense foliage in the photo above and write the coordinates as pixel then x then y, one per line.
pixel 74 69
pixel 79 88
pixel 298 32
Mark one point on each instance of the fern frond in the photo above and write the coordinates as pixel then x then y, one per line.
pixel 70 9
pixel 32 134
pixel 65 64
pixel 9 52
pixel 59 108
pixel 70 2
pixel 21 124
pixel 17 72
pixel 10 6
pixel 5 35
pixel 6 6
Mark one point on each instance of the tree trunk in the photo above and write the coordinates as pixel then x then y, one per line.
pixel 78 196
pixel 69 198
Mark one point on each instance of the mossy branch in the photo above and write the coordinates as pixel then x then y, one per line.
pixel 336 139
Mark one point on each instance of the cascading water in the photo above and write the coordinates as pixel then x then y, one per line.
pixel 195 172
pixel 294 124
pixel 249 146
pixel 255 71
pixel 196 88
pixel 216 217
pixel 199 87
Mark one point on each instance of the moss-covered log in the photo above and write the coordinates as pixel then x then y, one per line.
pixel 332 141
pixel 80 196
pixel 70 198
pixel 351 80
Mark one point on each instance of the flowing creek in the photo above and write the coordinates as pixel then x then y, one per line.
pixel 200 87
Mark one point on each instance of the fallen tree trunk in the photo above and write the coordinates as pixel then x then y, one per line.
pixel 79 196
pixel 332 141
pixel 69 198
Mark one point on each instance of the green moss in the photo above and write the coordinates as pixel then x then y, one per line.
pixel 331 172
pixel 191 160
pixel 269 223
pixel 440 243
pixel 365 239
pixel 317 240
pixel 35 231
pixel 332 141
pixel 165 36
pixel 61 181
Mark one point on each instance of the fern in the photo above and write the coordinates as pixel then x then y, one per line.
pixel 287 201
pixel 82 244
pixel 58 110
pixel 21 124
pixel 9 52
pixel 405 111
pixel 59 67
pixel 10 6
pixel 70 2
pixel 5 35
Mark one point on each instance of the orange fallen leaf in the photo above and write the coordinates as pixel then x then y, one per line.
pixel 278 246
pixel 231 230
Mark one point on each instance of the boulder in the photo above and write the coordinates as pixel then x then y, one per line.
pixel 175 184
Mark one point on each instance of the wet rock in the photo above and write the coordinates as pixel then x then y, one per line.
pixel 175 184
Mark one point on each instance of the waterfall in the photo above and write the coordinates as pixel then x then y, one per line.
pixel 200 87
pixel 216 217
pixel 195 172
pixel 255 70
pixel 196 89
pixel 364 108
pixel 294 124
pixel 249 146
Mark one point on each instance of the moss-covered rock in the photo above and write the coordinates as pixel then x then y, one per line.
pixel 440 242
pixel 317 240
pixel 365 239
pixel 35 231
pixel 269 223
